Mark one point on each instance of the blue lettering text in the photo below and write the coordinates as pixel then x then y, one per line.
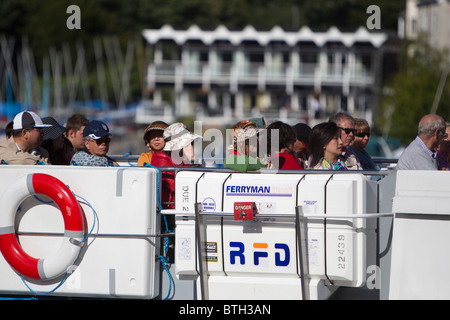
pixel 239 253
pixel 287 255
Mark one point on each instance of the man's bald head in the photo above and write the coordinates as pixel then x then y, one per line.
pixel 429 124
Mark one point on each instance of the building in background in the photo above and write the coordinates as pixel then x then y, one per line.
pixel 429 18
pixel 223 75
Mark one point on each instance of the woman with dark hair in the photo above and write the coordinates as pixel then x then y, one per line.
pixel 326 148
pixel 282 154
pixel 58 146
pixel 301 150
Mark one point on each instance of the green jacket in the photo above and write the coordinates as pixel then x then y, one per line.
pixel 242 163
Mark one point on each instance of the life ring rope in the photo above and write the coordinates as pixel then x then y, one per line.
pixel 74 230
pixel 94 214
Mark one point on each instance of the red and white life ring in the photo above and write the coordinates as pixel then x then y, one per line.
pixel 18 259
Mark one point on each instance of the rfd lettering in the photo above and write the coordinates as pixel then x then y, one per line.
pixel 282 257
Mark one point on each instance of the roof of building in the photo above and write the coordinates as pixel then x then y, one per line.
pixel 249 33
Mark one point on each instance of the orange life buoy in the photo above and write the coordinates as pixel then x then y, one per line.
pixel 18 259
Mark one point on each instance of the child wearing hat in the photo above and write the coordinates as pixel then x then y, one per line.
pixel 154 140
pixel 178 152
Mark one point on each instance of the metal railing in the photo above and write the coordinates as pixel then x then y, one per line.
pixel 255 71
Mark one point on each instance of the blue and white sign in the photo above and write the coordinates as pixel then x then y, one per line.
pixel 209 204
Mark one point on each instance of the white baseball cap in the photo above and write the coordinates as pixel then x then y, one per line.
pixel 28 120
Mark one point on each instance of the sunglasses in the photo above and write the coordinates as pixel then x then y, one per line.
pixel 348 131
pixel 150 137
pixel 362 134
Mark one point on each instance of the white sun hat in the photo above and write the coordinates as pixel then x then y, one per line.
pixel 177 136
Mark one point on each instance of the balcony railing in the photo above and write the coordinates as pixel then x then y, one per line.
pixel 172 71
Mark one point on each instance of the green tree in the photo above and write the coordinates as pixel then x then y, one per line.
pixel 409 95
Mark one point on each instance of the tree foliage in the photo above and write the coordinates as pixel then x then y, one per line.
pixel 411 92
pixel 46 19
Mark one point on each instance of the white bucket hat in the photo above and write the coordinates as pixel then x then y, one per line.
pixel 177 136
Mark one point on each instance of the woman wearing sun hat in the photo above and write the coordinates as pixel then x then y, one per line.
pixel 154 140
pixel 242 155
pixel 178 152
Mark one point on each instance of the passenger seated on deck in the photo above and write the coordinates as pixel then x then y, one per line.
pixel 421 152
pixel 302 130
pixel 346 124
pixel 75 125
pixel 282 136
pixel 58 146
pixel 96 146
pixel 359 144
pixel 243 154
pixel 154 140
pixel 8 130
pixel 23 147
pixel 443 153
pixel 178 152
pixel 326 148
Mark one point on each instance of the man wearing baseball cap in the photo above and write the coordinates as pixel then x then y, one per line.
pixel 24 145
pixel 96 145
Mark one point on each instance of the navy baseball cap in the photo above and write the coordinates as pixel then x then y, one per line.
pixel 96 130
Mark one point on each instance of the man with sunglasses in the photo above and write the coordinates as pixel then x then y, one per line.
pixel 421 152
pixel 96 145
pixel 359 145
pixel 23 147
pixel 346 124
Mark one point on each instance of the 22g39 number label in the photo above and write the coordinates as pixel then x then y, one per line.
pixel 341 251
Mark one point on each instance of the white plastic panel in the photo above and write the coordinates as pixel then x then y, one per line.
pixel 257 288
pixel 420 259
pixel 420 256
pixel 185 245
pixel 346 247
pixel 118 262
pixel 272 193
pixel 266 248
pixel 210 191
pixel 311 193
pixel 272 251
pixel 185 191
pixel 185 249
